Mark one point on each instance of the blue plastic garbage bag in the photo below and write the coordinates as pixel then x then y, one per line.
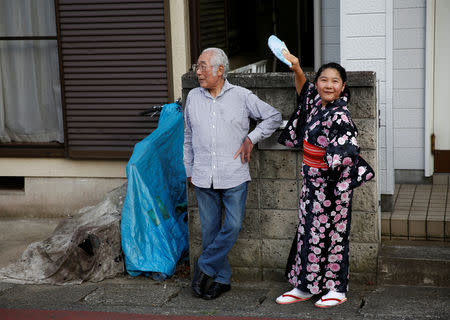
pixel 154 229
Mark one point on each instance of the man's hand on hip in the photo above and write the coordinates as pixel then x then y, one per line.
pixel 245 150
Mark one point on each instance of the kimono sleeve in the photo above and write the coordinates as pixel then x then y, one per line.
pixel 294 131
pixel 342 150
pixel 342 154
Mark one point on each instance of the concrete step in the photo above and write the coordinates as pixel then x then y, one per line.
pixel 418 263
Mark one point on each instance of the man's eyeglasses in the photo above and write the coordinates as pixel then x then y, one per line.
pixel 201 67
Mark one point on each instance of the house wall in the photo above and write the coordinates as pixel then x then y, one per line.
pixel 366 31
pixel 272 203
pixel 388 37
pixel 330 28
pixel 56 188
pixel 409 84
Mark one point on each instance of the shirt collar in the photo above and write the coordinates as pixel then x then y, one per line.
pixel 226 86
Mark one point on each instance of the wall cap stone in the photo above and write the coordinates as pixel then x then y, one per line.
pixel 280 79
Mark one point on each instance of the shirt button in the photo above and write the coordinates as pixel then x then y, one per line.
pixel 214 101
pixel 213 126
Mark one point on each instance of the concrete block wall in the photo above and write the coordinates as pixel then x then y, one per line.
pixel 272 205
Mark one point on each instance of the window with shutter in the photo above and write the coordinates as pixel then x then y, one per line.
pixel 114 65
pixel 208 25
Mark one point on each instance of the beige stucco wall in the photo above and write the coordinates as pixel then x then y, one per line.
pixel 55 197
pixel 57 187
pixel 44 167
pixel 179 33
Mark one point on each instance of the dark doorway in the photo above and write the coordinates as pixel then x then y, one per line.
pixel 241 29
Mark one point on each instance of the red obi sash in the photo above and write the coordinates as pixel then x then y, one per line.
pixel 313 155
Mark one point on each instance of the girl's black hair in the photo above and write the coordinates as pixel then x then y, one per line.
pixel 342 73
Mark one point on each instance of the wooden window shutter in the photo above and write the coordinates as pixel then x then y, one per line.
pixel 208 25
pixel 213 24
pixel 114 65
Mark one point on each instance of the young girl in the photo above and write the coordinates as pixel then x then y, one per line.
pixel 331 169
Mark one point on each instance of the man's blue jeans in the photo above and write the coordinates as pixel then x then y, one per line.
pixel 218 238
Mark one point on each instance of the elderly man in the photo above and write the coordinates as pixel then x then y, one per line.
pixel 217 147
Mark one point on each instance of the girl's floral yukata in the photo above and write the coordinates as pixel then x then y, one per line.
pixel 331 169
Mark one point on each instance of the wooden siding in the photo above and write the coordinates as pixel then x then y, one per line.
pixel 409 84
pixel 330 27
pixel 213 24
pixel 208 26
pixel 114 65
pixel 366 44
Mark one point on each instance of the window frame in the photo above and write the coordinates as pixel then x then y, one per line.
pixel 37 149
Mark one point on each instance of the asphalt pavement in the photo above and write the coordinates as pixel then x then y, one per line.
pixel 143 298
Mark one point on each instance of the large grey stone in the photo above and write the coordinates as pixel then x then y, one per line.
pixel 192 200
pixel 247 273
pixel 275 252
pixel 361 78
pixel 195 249
pixel 364 227
pixel 363 257
pixel 365 197
pixel 251 226
pixel 362 109
pixel 299 161
pixel 253 194
pixel 363 103
pixel 195 229
pixel 367 133
pixel 274 274
pixel 254 163
pixel 371 157
pixel 271 143
pixel 360 93
pixel 278 165
pixel 246 253
pixel 284 100
pixel 278 224
pixel 279 194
